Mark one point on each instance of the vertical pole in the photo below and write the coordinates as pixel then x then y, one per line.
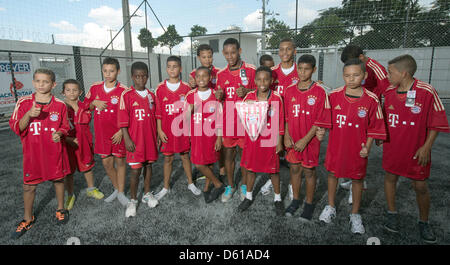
pixel 263 26
pixel 148 49
pixel 405 35
pixel 192 55
pixel 159 68
pixel 127 35
pixel 101 73
pixel 12 76
pixel 296 16
pixel 431 65
pixel 321 58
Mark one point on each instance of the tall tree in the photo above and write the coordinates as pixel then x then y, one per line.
pixel 146 39
pixel 197 30
pixel 170 38
pixel 280 31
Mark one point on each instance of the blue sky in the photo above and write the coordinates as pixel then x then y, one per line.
pixel 86 22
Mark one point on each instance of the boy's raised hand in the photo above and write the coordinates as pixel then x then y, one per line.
pixel 423 154
pixel 99 104
pixel 117 137
pixel 34 111
pixel 364 151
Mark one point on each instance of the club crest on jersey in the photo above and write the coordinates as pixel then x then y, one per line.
pixel 362 112
pixel 294 81
pixel 416 109
pixel 114 100
pixel 311 100
pixel 54 116
pixel 182 98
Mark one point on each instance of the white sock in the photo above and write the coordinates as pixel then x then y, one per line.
pixel 277 197
pixel 122 198
pixel 249 195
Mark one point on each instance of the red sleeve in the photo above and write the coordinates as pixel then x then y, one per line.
pixel 123 116
pixel 323 115
pixel 281 115
pixel 437 119
pixel 376 128
pixel 64 126
pixel 19 112
pixel 158 111
pixel 90 96
pixel 382 85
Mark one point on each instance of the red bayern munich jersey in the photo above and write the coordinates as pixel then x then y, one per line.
pixel 352 121
pixel 302 110
pixel 43 159
pixel 105 121
pixel 81 157
pixel 260 155
pixel 137 113
pixel 282 81
pixel 205 121
pixel 213 81
pixel 408 128
pixel 376 81
pixel 229 81
pixel 169 109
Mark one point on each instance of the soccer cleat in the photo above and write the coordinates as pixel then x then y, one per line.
pixel 152 202
pixel 131 208
pixel 426 233
pixel 146 197
pixel 279 208
pixel 161 193
pixel 23 227
pixel 357 226
pixel 291 192
pixel 308 210
pixel 194 189
pixel 391 222
pixel 265 190
pixel 229 191
pixel 68 205
pixel 95 193
pixel 244 205
pixel 243 192
pixel 327 214
pixel 62 216
pixel 215 193
pixel 292 208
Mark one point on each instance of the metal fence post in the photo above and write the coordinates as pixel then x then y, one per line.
pixel 431 65
pixel 12 76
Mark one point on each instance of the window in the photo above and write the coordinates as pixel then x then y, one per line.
pixel 214 45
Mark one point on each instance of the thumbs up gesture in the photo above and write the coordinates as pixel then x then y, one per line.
pixel 35 110
pixel 364 151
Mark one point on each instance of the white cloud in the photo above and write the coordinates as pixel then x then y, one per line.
pixel 113 18
pixel 253 21
pixel 305 15
pixel 63 25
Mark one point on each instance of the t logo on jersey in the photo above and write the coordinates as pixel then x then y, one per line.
pixel 170 108
pixel 35 127
pixel 139 114
pixel 230 92
pixel 280 90
pixel 393 119
pixel 341 120
pixel 197 117
pixel 296 109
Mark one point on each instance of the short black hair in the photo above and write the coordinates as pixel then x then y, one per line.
pixel 174 58
pixel 355 61
pixel 232 41
pixel 47 72
pixel 288 40
pixel 307 58
pixel 139 66
pixel 265 58
pixel 204 47
pixel 203 68
pixel 351 52
pixel 263 69
pixel 70 81
pixel 406 63
pixel 110 60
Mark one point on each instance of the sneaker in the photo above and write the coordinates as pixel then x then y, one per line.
pixel 327 214
pixel 426 233
pixel 150 200
pixel 350 196
pixel 292 208
pixel 291 192
pixel 279 208
pixel 346 185
pixel 215 193
pixel 95 193
pixel 244 204
pixel 226 196
pixel 68 205
pixel 308 210
pixel 131 208
pixel 62 216
pixel 357 226
pixel 22 227
pixel 194 189
pixel 265 190
pixel 391 222
pixel 243 192
pixel 161 193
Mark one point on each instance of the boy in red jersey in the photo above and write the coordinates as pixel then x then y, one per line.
pixel 40 120
pixel 306 108
pixel 357 119
pixel 266 60
pixel 205 56
pixel 205 114
pixel 138 124
pixel 79 142
pixel 234 82
pixel 170 98
pixel 261 155
pixel 104 97
pixel 415 115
